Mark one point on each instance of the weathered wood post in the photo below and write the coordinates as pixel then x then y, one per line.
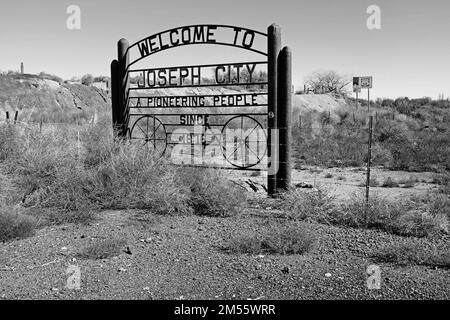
pixel 124 84
pixel 284 118
pixel 115 95
pixel 273 49
pixel 369 158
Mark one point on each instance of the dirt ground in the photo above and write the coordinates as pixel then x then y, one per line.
pixel 344 183
pixel 173 257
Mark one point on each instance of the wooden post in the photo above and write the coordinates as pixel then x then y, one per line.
pixel 192 149
pixel 15 116
pixel 115 95
pixel 246 153
pixel 284 118
pixel 273 49
pixel 369 159
pixel 124 84
pixel 356 99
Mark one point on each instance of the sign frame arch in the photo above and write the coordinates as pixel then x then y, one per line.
pixel 279 84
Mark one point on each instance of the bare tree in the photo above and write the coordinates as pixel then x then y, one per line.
pixel 327 82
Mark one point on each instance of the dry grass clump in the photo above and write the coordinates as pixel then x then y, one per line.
pixel 281 239
pixel 390 183
pixel 55 177
pixel 409 182
pixel 412 252
pixel 14 225
pixel 397 217
pixel 103 249
pixel 299 204
pixel 211 194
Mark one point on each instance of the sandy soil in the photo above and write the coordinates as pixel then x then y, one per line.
pixel 184 258
pixel 173 257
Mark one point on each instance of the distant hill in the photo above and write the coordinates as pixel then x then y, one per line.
pixel 39 99
pixel 49 99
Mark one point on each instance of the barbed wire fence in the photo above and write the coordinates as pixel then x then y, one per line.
pixel 361 143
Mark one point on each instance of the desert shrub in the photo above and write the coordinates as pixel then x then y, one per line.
pixel 113 174
pixel 409 182
pixel 14 224
pixel 103 249
pixel 420 224
pixel 332 145
pixel 389 183
pixel 398 217
pixel 439 204
pixel 373 182
pixel 300 204
pixel 50 175
pixel 443 181
pixel 412 252
pixel 378 213
pixel 381 155
pixel 210 193
pixel 281 239
pixel 97 144
pixel 69 190
pixel 250 244
pixel 132 178
pixel 288 240
pixel 42 157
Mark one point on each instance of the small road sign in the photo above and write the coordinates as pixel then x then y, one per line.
pixel 362 82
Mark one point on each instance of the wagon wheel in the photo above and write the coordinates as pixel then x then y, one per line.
pixel 244 142
pixel 150 133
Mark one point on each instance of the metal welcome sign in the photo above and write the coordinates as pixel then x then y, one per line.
pixel 226 115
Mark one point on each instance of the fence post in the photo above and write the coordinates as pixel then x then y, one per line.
pixel 369 159
pixel 115 95
pixel 16 116
pixel 284 118
pixel 273 49
pixel 124 84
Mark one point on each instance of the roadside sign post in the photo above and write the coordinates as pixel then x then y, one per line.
pixel 358 84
